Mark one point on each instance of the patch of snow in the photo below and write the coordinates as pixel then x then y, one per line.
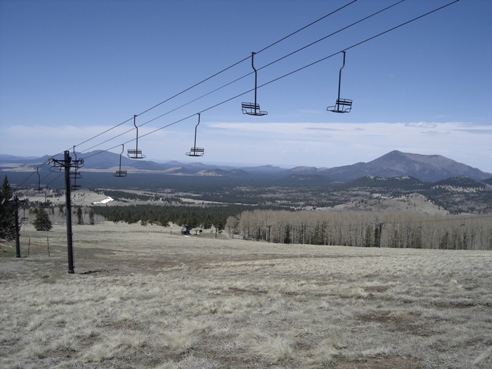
pixel 103 201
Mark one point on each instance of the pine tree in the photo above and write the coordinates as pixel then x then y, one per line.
pixel 7 214
pixel 79 216
pixel 42 221
pixel 369 237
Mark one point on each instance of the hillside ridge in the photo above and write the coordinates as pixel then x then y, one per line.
pixel 426 168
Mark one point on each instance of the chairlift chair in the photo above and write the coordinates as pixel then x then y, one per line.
pixel 24 218
pixel 196 151
pixel 135 153
pixel 119 172
pixel 341 105
pixel 39 180
pixel 75 174
pixel 249 107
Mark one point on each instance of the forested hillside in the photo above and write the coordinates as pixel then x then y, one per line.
pixel 194 217
pixel 366 229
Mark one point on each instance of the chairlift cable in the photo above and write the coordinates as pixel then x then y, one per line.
pixel 198 98
pixel 310 24
pixel 293 72
pixel 356 44
pixel 173 110
pixel 47 184
pixel 39 167
pixel 110 139
pixel 331 34
pixel 333 54
pixel 401 25
pixel 195 85
pixel 146 134
pixel 25 180
pixel 265 66
pixel 219 72
pixel 278 78
pixel 246 58
pixel 170 124
pixel 106 150
pixel 106 131
pixel 46 176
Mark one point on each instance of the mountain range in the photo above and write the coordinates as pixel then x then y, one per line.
pixel 426 168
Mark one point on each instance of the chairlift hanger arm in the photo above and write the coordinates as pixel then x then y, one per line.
pixel 253 108
pixel 119 172
pixel 341 105
pixel 256 73
pixel 340 75
pixel 196 128
pixel 196 151
pixel 135 153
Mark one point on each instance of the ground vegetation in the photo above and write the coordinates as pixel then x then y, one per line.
pixel 7 210
pixel 365 229
pixel 147 297
pixel 42 221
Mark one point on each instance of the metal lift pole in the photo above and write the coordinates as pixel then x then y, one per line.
pixel 16 215
pixel 68 202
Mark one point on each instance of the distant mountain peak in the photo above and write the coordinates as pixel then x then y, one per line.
pixel 427 168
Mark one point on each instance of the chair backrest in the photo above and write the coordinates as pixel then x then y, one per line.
pixel 252 109
pixel 135 154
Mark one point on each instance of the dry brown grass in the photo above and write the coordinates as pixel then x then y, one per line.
pixel 144 298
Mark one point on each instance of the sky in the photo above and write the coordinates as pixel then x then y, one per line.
pixel 76 72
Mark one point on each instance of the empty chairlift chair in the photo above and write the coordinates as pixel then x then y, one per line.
pixel 135 153
pixel 341 105
pixel 39 180
pixel 196 151
pixel 75 174
pixel 253 108
pixel 119 172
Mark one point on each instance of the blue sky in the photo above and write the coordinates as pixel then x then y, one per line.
pixel 70 70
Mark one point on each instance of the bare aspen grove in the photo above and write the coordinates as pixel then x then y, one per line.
pixel 365 229
pixel 149 297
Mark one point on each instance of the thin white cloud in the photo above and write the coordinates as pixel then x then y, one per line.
pixel 312 144
pixel 334 144
pixel 434 133
pixel 477 131
pixel 421 125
